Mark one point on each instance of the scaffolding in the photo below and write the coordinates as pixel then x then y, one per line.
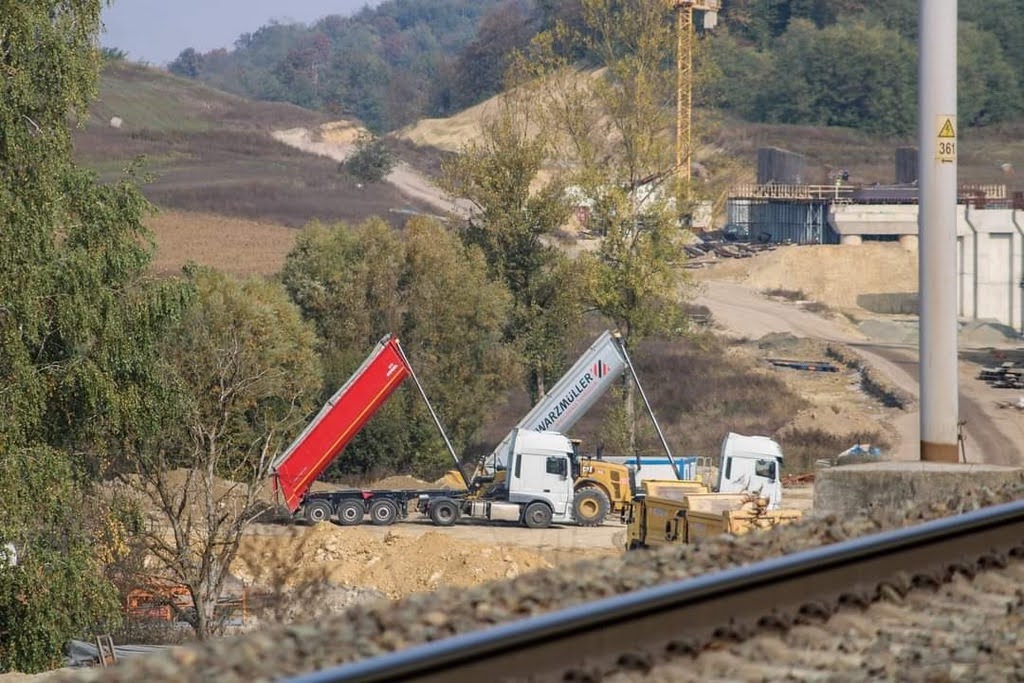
pixel 781 220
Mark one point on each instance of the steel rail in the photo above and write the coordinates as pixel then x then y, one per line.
pixel 671 617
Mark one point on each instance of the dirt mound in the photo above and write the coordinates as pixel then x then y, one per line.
pixel 340 132
pixel 334 140
pixel 987 333
pixel 452 133
pixel 971 333
pixel 397 565
pixel 466 127
pixel 837 275
pixel 308 602
pixel 224 491
pixel 400 483
pixel 890 331
pixel 784 345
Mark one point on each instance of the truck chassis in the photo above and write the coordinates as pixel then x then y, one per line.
pixel 352 506
pixel 443 507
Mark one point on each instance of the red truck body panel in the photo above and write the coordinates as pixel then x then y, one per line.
pixel 339 421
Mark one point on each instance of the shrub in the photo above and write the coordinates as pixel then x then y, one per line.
pixel 372 160
pixel 788 294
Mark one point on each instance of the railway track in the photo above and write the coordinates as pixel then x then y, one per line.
pixel 661 632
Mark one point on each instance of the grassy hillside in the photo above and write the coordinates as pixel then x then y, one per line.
pixel 210 151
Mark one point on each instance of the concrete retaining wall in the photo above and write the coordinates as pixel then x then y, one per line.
pixel 850 489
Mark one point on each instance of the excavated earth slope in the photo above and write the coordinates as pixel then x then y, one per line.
pixel 836 275
pixel 367 630
pixel 397 565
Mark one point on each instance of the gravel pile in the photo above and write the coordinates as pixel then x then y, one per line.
pixel 368 630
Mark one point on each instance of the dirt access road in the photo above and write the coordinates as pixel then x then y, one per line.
pixel 403 177
pixel 990 435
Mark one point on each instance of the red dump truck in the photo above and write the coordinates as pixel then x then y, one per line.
pixel 536 490
pixel 332 429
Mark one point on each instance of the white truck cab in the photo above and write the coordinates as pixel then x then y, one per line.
pixel 540 469
pixel 751 463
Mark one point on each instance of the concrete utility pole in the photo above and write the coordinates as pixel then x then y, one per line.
pixel 936 224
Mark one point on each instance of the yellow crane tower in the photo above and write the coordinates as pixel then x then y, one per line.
pixel 684 79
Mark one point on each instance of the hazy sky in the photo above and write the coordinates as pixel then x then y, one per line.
pixel 156 31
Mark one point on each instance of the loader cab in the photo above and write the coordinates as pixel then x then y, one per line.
pixel 576 458
pixel 541 470
pixel 751 463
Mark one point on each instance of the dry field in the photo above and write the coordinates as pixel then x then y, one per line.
pixel 232 245
pixel 202 150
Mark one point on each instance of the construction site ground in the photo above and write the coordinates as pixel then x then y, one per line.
pixel 333 566
pixel 368 562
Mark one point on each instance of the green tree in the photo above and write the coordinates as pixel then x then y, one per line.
pixel 434 293
pixel 481 65
pixel 188 64
pixel 742 68
pixel 382 65
pixel 114 54
pixel 988 89
pixel 614 131
pixel 347 282
pixel 245 361
pixel 453 322
pixel 851 74
pixel 79 320
pixel 1005 20
pixel 58 588
pixel 514 227
pixel 371 161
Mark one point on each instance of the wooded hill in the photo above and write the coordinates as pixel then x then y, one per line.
pixel 846 63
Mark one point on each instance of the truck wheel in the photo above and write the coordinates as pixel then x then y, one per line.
pixel 444 512
pixel 537 515
pixel 591 506
pixel 350 512
pixel 383 512
pixel 317 511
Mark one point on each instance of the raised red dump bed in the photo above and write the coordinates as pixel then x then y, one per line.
pixel 339 421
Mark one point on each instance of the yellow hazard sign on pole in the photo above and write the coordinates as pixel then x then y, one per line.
pixel 945 150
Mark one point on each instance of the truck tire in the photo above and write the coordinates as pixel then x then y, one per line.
pixel 443 512
pixel 350 512
pixel 383 512
pixel 317 511
pixel 591 506
pixel 537 515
